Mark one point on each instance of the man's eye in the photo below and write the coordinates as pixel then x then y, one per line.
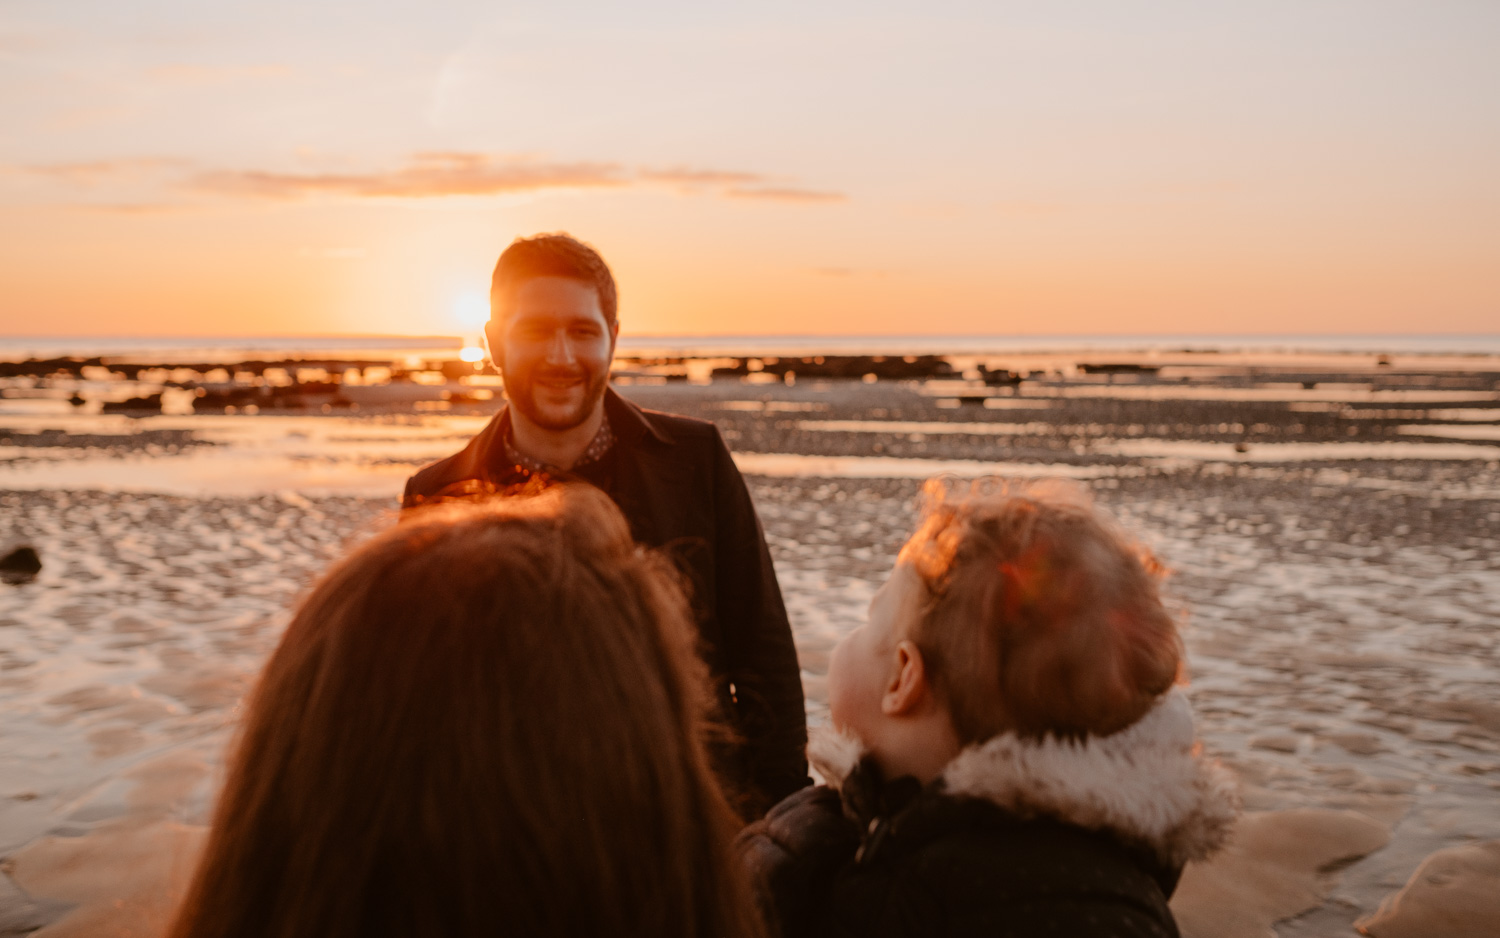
pixel 584 332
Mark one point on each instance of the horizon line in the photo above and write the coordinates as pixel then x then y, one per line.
pixel 212 337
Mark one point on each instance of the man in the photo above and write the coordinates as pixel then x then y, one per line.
pixel 552 333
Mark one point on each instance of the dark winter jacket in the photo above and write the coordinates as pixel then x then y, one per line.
pixel 676 484
pixel 1016 838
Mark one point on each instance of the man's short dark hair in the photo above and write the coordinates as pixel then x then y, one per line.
pixel 555 255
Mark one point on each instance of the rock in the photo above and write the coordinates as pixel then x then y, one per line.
pixel 1277 864
pixel 148 404
pixel 1454 893
pixel 21 565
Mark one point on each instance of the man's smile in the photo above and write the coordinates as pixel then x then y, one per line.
pixel 558 381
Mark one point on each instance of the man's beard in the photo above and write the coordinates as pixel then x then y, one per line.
pixel 523 398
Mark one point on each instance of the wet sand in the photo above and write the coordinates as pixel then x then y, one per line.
pixel 1339 615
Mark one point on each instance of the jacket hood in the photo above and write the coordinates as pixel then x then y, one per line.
pixel 1148 783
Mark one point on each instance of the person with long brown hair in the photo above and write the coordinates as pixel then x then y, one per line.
pixel 486 720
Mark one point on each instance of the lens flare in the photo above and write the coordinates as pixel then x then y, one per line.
pixel 472 353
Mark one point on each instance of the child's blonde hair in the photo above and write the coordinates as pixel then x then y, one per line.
pixel 1042 617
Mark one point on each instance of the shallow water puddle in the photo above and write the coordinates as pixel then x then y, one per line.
pixel 1456 432
pixel 787 465
pixel 978 428
pixel 250 455
pixel 214 472
pixel 1349 394
pixel 1292 452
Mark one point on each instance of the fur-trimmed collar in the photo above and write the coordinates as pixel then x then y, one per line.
pixel 1148 783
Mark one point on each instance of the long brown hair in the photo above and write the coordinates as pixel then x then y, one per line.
pixel 485 720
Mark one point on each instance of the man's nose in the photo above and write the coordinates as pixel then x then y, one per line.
pixel 560 349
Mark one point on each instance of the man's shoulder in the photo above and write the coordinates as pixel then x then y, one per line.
pixel 680 427
pixel 466 464
pixel 636 424
pixel 434 476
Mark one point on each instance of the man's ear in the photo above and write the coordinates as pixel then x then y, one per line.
pixel 907 690
pixel 614 336
pixel 494 338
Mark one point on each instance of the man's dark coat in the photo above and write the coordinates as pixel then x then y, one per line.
pixel 674 480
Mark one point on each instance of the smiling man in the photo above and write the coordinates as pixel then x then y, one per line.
pixel 552 333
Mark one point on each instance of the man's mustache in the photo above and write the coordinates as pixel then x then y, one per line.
pixel 559 374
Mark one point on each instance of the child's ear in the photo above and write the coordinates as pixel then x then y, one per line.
pixel 907 689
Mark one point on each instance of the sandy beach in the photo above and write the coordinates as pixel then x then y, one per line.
pixel 1334 558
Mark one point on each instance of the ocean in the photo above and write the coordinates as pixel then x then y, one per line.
pixel 194 348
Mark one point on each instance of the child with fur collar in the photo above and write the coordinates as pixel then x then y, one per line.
pixel 1014 755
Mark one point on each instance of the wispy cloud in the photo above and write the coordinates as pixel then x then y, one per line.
pixel 682 176
pixel 428 176
pixel 784 194
pixel 435 175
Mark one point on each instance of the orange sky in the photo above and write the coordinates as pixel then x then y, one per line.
pixel 873 168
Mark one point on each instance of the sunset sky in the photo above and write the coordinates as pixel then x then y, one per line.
pixel 875 167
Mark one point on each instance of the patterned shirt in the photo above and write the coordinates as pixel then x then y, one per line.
pixel 595 451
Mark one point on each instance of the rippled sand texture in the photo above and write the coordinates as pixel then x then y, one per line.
pixel 1344 662
pixel 121 667
pixel 1340 609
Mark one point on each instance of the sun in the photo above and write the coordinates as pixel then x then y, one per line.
pixel 471 310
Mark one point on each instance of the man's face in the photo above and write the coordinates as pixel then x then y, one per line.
pixel 553 346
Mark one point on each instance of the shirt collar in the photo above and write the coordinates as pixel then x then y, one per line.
pixel 603 440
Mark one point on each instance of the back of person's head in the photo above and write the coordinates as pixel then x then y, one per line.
pixel 1041 617
pixel 553 255
pixel 484 720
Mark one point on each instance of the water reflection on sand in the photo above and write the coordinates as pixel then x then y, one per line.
pixel 372 456
pixel 1338 579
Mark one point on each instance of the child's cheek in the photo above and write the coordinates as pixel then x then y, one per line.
pixel 844 697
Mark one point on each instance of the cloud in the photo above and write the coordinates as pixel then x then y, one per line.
pixel 428 175
pixel 785 194
pixel 700 177
pixel 434 175
pixel 424 176
pixel 737 185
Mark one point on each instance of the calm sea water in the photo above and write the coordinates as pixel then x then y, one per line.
pixel 189 348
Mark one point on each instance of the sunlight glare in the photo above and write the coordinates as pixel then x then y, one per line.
pixel 472 353
pixel 472 310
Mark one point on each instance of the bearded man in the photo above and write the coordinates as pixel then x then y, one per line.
pixel 552 332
